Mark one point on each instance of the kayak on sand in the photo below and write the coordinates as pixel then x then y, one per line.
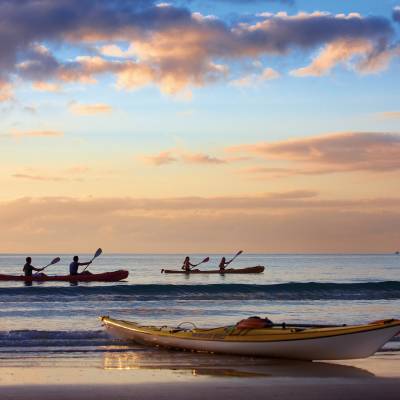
pixel 249 270
pixel 113 276
pixel 302 342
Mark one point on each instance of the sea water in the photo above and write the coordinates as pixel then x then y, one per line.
pixel 54 318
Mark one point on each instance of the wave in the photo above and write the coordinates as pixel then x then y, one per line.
pixel 389 290
pixel 52 339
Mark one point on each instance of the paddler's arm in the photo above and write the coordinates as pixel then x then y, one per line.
pixel 85 263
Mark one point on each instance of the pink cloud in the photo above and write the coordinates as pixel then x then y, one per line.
pixel 390 114
pixel 168 157
pixel 36 133
pixel 161 158
pixel 271 222
pixel 338 152
pixel 335 53
pixel 200 158
pixel 45 178
pixel 90 109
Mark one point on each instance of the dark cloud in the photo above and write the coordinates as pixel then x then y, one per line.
pixel 174 46
pixel 396 14
pixel 291 2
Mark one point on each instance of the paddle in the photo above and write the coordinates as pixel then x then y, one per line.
pixel 55 261
pixel 207 259
pixel 237 254
pixel 98 252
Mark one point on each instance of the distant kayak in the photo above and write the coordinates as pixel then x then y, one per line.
pixel 249 270
pixel 303 342
pixel 113 276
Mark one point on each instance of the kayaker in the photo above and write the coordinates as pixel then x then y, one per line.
pixel 73 267
pixel 187 264
pixel 223 264
pixel 29 268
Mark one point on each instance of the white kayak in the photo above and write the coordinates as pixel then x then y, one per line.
pixel 278 341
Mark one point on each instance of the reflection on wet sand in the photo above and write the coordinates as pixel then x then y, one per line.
pixel 228 366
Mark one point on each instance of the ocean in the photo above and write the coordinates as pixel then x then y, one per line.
pixel 56 318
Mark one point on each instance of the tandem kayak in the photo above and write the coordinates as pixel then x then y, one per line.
pixel 277 341
pixel 249 270
pixel 113 276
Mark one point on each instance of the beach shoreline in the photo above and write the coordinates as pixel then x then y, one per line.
pixel 123 376
pixel 258 388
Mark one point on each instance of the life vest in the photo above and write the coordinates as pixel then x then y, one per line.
pixel 254 323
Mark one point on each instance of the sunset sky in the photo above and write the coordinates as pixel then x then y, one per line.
pixel 196 126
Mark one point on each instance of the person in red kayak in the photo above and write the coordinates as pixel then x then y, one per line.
pixel 187 264
pixel 223 264
pixel 73 267
pixel 29 268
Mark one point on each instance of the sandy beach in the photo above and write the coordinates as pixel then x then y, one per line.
pixel 162 375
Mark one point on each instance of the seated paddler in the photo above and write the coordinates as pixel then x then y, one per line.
pixel 74 266
pixel 29 268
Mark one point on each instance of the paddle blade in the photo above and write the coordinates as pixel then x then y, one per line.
pixel 55 261
pixel 98 252
pixel 237 254
pixel 207 259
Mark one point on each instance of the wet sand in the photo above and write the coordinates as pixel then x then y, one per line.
pixel 155 375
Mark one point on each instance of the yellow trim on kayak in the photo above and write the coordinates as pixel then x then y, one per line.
pixel 231 334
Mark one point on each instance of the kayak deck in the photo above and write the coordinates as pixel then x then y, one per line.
pixel 113 276
pixel 278 341
pixel 248 270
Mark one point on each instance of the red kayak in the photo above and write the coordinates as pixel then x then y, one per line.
pixel 113 276
pixel 249 270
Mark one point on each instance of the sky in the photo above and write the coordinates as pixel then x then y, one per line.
pixel 200 126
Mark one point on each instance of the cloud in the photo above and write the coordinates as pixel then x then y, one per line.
pixel 74 173
pixel 272 222
pixel 369 57
pixel 112 50
pixel 396 14
pixel 333 54
pixel 267 74
pixel 331 153
pixel 90 109
pixel 390 114
pixel 35 133
pixel 168 157
pixel 162 158
pixel 6 91
pixel 42 178
pixel 169 46
pixel 248 1
pixel 46 86
pixel 200 158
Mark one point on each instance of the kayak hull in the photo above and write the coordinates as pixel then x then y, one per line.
pixel 113 276
pixel 249 270
pixel 334 343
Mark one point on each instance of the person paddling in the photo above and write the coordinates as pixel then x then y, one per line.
pixel 29 268
pixel 73 267
pixel 223 264
pixel 187 264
